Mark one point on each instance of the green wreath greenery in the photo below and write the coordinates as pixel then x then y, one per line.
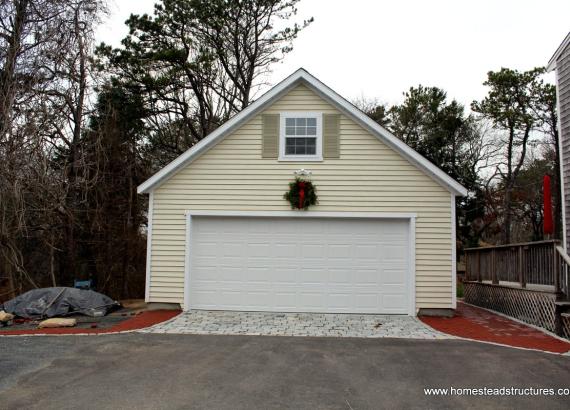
pixel 302 194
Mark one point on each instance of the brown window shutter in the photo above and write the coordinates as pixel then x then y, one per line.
pixel 331 135
pixel 270 136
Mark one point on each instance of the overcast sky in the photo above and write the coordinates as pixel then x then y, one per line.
pixel 378 49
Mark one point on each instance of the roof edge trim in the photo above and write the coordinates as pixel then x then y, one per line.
pixel 552 62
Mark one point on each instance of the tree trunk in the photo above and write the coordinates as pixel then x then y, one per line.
pixel 7 74
pixel 52 265
pixel 508 216
pixel 77 110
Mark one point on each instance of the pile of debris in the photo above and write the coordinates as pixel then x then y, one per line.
pixel 6 318
pixel 52 306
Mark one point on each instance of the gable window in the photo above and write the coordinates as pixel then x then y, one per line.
pixel 300 137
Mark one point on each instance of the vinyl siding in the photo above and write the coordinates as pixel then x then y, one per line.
pixel 368 177
pixel 563 84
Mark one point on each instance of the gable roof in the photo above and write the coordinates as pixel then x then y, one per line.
pixel 301 76
pixel 552 62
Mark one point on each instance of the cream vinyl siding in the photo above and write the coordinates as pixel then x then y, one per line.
pixel 368 177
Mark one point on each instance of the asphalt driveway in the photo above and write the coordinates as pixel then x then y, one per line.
pixel 149 371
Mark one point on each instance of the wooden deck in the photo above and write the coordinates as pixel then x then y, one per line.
pixel 532 265
pixel 527 281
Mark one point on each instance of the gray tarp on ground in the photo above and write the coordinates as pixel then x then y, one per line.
pixel 51 302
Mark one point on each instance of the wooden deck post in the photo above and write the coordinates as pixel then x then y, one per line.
pixel 494 278
pixel 466 266
pixel 555 269
pixel 479 276
pixel 522 278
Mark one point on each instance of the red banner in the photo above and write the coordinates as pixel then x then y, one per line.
pixel 548 225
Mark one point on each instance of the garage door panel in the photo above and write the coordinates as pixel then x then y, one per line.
pixel 285 250
pixel 312 301
pixel 368 252
pixel 393 301
pixel 299 265
pixel 313 276
pixel 284 276
pixel 367 302
pixel 284 301
pixel 256 275
pixel 229 273
pixel 231 249
pixel 207 249
pixel 340 301
pixel 339 250
pixel 395 256
pixel 365 276
pixel 203 296
pixel 340 277
pixel 312 251
pixel 392 276
pixel 207 273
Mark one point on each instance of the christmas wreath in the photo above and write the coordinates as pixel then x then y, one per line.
pixel 302 194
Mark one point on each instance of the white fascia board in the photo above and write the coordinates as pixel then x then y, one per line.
pixel 332 97
pixel 552 62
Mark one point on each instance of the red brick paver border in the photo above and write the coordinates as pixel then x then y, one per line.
pixel 471 322
pixel 140 321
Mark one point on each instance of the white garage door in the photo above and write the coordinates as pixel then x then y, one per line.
pixel 299 264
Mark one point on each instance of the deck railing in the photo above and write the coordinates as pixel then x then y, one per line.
pixel 537 263
pixel 564 260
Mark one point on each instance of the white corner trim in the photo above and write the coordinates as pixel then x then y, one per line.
pixel 148 247
pixel 187 262
pixel 412 311
pixel 329 95
pixel 189 214
pixel 453 255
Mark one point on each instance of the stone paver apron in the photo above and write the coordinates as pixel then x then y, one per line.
pixel 297 324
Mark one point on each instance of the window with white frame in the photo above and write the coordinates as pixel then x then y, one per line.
pixel 300 136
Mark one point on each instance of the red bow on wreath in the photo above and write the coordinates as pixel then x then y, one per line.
pixel 301 185
pixel 302 194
